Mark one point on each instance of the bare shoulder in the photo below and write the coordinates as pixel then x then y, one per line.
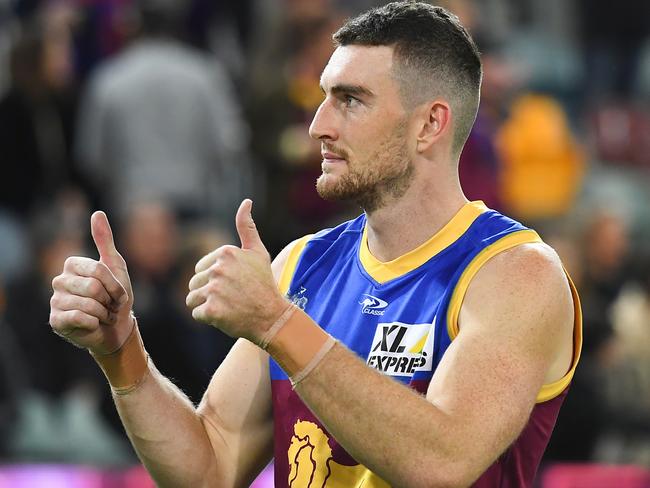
pixel 523 295
pixel 283 256
pixel 528 271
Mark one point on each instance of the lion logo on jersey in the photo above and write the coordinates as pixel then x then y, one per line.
pixel 312 466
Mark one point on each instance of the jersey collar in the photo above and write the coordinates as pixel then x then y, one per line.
pixel 456 227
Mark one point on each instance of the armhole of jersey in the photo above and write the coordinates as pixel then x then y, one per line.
pixel 290 265
pixel 551 390
pixel 458 295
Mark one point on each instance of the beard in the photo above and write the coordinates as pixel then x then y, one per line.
pixel 386 174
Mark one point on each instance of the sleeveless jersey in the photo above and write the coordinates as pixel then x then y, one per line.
pixel 399 317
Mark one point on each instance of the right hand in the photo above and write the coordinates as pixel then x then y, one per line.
pixel 92 300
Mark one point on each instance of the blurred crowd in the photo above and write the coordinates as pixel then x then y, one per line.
pixel 166 113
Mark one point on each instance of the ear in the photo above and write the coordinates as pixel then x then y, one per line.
pixel 435 126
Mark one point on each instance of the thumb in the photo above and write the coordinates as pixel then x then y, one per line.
pixel 103 237
pixel 248 235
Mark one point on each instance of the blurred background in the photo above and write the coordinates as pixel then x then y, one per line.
pixel 166 113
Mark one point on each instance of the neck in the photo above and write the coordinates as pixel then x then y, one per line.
pixel 403 224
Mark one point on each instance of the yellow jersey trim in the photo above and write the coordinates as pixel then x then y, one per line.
pixel 383 272
pixel 551 390
pixel 290 265
pixel 458 295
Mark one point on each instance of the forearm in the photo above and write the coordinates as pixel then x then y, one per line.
pixel 384 425
pixel 167 434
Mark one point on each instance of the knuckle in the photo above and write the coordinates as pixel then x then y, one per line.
pixel 92 306
pixel 69 262
pixel 95 268
pixel 77 316
pixel 93 287
pixel 57 282
pixel 215 270
pixel 213 311
pixel 54 320
pixel 55 300
pixel 227 251
pixel 212 289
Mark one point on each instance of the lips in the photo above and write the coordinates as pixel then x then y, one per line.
pixel 331 157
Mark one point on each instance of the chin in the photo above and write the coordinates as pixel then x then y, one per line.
pixel 326 186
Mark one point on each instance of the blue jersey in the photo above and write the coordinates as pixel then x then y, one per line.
pixel 399 317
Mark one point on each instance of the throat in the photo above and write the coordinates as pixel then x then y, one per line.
pixel 386 247
pixel 392 233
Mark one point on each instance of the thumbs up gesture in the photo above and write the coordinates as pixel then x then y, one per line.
pixel 233 288
pixel 92 300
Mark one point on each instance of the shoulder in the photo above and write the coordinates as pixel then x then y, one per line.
pixel 281 260
pixel 522 287
pixel 319 241
pixel 527 266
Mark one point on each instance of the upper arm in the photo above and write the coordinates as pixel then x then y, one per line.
pixel 236 408
pixel 516 325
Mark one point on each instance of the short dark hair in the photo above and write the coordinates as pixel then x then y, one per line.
pixel 435 56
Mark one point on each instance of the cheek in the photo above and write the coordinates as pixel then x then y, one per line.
pixel 367 138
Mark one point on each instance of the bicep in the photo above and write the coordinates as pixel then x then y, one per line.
pixel 236 412
pixel 489 377
pixel 237 409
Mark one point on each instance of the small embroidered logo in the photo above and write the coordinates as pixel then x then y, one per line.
pixel 299 299
pixel 372 305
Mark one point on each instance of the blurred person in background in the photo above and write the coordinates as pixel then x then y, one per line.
pixel 161 121
pixel 601 420
pixel 628 377
pixel 60 393
pixel 153 242
pixel 225 28
pixel 542 163
pixel 607 260
pixel 37 114
pixel 208 347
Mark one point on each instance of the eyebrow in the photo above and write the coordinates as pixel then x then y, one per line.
pixel 350 90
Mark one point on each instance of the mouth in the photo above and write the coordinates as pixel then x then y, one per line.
pixel 329 157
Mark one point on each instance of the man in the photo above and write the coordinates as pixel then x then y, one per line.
pixel 464 305
pixel 129 145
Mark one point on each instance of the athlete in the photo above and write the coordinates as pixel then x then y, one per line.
pixel 429 342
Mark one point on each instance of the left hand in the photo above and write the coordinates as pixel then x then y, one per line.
pixel 233 288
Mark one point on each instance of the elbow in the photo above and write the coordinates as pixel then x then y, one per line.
pixel 440 475
pixel 443 480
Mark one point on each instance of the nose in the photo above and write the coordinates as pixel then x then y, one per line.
pixel 323 125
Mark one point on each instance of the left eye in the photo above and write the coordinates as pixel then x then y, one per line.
pixel 350 100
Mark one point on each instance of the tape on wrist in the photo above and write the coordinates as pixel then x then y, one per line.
pixel 126 368
pixel 299 345
pixel 277 325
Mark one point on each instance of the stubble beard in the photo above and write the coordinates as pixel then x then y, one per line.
pixel 385 176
